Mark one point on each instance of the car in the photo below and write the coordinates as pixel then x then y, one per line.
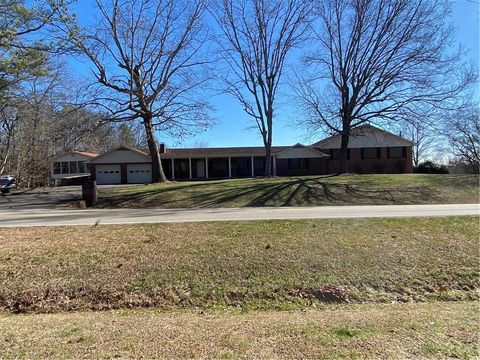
pixel 7 183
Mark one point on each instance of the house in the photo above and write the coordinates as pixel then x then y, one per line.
pixel 71 165
pixel 370 150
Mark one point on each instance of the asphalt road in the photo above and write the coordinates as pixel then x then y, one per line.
pixel 56 217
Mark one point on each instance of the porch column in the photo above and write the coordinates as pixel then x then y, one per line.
pixel 253 168
pixel 206 168
pixel 274 158
pixel 229 167
pixel 190 168
pixel 173 169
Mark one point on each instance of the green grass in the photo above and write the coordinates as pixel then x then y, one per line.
pixel 398 331
pixel 251 265
pixel 300 191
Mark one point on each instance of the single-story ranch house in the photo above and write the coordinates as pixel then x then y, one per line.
pixel 370 150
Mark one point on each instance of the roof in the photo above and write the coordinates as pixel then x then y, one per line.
pixel 299 150
pixel 365 135
pixel 85 153
pixel 120 148
pixel 220 151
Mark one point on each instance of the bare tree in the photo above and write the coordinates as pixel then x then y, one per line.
pixel 257 37
pixel 464 137
pixel 149 63
pixel 376 61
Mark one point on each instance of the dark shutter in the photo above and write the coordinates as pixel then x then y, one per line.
pixel 404 152
pixel 348 154
pixel 388 153
pixel 307 163
pixel 379 153
pixel 289 164
pixel 362 153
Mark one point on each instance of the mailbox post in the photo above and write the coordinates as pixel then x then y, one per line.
pixel 89 192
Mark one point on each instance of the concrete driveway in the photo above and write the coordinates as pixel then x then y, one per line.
pixel 43 198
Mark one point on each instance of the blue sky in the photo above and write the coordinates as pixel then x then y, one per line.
pixel 233 127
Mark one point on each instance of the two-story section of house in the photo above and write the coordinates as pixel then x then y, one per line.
pixel 370 151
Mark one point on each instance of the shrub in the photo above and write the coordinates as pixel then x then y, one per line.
pixel 429 167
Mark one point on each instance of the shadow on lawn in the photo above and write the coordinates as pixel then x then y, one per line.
pixel 292 192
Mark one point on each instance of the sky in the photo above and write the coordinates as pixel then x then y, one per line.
pixel 234 128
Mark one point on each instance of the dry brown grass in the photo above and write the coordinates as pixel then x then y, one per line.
pixel 428 330
pixel 253 265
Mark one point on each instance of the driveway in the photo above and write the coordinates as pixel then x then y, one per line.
pixel 55 217
pixel 48 198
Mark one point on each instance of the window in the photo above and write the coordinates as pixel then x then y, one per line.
pixel 371 153
pixel 65 167
pixel 298 164
pixel 335 154
pixel 56 167
pixel 397 152
pixel 81 167
pixel 73 167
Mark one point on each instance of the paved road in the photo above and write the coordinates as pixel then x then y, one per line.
pixel 52 217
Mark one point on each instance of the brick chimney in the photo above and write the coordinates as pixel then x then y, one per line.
pixel 163 148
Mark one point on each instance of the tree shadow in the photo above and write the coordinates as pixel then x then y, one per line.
pixel 295 191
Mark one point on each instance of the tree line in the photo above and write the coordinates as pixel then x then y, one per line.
pixel 154 64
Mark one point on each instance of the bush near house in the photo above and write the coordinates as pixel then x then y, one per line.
pixel 429 167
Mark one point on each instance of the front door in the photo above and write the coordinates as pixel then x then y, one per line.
pixel 199 168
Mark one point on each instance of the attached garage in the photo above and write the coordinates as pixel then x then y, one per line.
pixel 139 173
pixel 122 166
pixel 108 174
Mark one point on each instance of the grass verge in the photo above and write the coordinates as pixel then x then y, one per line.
pixel 252 265
pixel 427 330
pixel 300 191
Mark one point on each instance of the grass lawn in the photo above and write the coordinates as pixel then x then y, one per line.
pixel 300 191
pixel 252 265
pixel 427 330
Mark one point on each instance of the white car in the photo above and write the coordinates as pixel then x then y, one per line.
pixel 7 183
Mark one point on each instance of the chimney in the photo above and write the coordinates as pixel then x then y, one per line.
pixel 163 148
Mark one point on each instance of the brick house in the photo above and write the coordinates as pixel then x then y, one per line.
pixel 371 150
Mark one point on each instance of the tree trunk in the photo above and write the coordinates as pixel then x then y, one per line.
pixel 344 148
pixel 268 160
pixel 157 170
pixel 268 144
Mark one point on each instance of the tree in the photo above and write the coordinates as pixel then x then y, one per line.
pixel 149 63
pixel 257 36
pixel 464 137
pixel 26 39
pixel 376 61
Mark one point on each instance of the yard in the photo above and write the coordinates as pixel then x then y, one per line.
pixel 299 191
pixel 305 288
pixel 399 331
pixel 252 265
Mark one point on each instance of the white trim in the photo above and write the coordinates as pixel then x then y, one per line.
pixel 229 167
pixel 190 168
pixel 173 169
pixel 206 168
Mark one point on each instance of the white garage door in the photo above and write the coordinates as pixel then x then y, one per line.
pixel 108 174
pixel 139 173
